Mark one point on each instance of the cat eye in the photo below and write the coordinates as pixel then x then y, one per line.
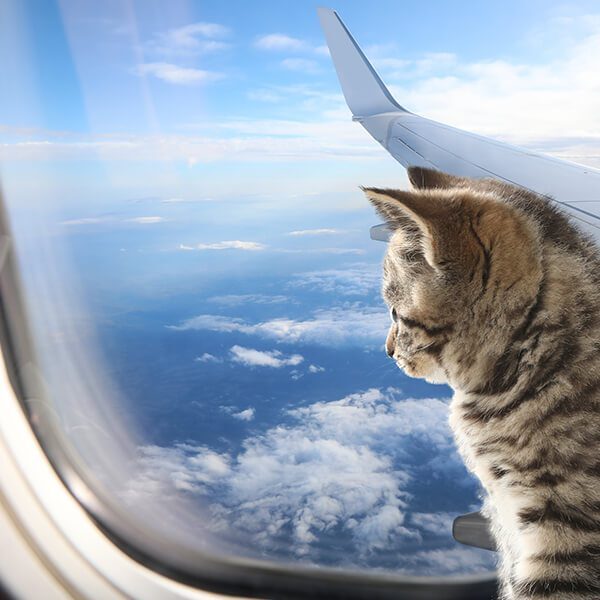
pixel 394 315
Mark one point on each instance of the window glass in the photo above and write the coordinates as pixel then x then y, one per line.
pixel 182 180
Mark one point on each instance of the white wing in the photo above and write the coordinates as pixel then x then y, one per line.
pixel 414 140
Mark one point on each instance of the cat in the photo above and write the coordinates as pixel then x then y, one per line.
pixel 492 290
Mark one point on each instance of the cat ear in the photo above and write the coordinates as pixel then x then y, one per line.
pixel 394 206
pixel 421 178
pixel 440 220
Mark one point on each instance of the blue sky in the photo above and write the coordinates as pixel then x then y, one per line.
pixel 173 100
pixel 183 181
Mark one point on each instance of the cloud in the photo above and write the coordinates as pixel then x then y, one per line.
pixel 313 99
pixel 259 140
pixel 189 40
pixel 437 523
pixel 187 468
pixel 305 232
pixel 228 245
pixel 146 220
pixel 361 279
pixel 449 561
pixel 334 475
pixel 177 75
pixel 347 325
pixel 244 415
pixel 514 101
pixel 324 251
pixel 112 219
pixel 280 41
pixel 302 65
pixel 87 221
pixel 429 64
pixel 315 369
pixel 208 358
pixel 211 323
pixel 185 200
pixel 257 358
pixel 236 299
pixel 264 95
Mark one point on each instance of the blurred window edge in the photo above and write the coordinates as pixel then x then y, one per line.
pixel 95 531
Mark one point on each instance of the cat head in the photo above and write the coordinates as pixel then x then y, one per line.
pixel 460 264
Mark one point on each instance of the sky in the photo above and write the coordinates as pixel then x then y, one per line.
pixel 255 93
pixel 183 182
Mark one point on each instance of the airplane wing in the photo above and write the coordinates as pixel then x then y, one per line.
pixel 415 140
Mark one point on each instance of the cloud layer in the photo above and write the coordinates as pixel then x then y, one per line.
pixel 311 232
pixel 352 325
pixel 354 280
pixel 250 357
pixel 548 105
pixel 280 41
pixel 339 470
pixel 178 75
pixel 236 299
pixel 190 40
pixel 226 245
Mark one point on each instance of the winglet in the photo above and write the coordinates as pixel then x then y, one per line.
pixel 365 93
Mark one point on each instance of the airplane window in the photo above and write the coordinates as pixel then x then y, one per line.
pixel 203 295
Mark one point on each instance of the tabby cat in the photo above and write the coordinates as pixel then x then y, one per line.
pixel 493 291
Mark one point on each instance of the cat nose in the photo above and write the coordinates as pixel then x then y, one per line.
pixel 390 341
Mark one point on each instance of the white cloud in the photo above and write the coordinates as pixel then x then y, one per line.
pixel 352 324
pixel 208 358
pixel 303 65
pixel 188 468
pixel 311 99
pixel 429 64
pixel 356 280
pixel 210 323
pixel 341 250
pixel 185 200
pixel 263 95
pixel 315 369
pixel 305 232
pixel 227 245
pixel 146 220
pixel 439 523
pixel 244 415
pixel 177 75
pixel 324 251
pixel 279 41
pixel 189 40
pixel 87 221
pixel 111 219
pixel 336 475
pixel 236 299
pixel 257 358
pixel 518 102
pixel 550 106
pixel 240 140
pixel 449 561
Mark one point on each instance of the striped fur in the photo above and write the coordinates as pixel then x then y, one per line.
pixel 494 291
